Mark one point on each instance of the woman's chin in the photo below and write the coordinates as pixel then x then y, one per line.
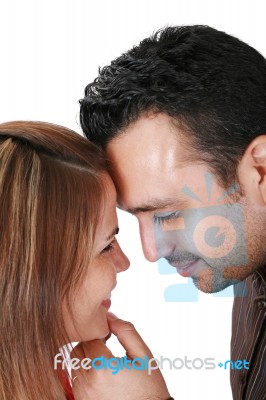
pixel 92 328
pixel 102 331
pixel 99 330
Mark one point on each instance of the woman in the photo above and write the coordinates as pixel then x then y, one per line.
pixel 59 255
pixel 58 265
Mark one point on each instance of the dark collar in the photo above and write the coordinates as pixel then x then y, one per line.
pixel 262 273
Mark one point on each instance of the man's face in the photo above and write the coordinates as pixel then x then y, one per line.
pixel 184 215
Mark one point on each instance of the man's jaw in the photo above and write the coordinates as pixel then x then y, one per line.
pixel 206 278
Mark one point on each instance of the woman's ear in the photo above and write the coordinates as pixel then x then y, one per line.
pixel 252 171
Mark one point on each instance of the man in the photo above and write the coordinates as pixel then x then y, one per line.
pixel 182 118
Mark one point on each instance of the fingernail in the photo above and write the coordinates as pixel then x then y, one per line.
pixel 107 337
pixel 111 316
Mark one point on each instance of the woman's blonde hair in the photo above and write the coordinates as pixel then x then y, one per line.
pixel 51 191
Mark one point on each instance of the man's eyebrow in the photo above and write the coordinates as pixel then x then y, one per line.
pixel 113 233
pixel 153 204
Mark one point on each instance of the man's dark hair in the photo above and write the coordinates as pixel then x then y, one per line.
pixel 208 81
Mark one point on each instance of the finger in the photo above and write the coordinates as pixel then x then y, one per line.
pixel 128 337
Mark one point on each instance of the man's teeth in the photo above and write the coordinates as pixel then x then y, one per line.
pixel 108 297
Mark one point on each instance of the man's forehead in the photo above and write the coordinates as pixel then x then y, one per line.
pixel 147 134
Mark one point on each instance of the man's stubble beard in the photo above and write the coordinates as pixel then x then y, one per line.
pixel 212 280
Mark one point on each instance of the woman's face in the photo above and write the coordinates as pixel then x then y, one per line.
pixel 92 299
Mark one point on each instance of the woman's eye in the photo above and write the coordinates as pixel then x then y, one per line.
pixel 167 217
pixel 109 247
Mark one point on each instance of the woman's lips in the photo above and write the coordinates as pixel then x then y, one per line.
pixel 106 303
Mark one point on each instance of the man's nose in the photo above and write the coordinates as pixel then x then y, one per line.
pixel 121 261
pixel 154 243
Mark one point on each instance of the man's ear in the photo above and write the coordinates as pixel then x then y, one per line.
pixel 252 171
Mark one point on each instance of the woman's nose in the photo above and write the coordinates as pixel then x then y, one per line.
pixel 121 261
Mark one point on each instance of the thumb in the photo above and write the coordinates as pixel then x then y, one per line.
pixel 128 337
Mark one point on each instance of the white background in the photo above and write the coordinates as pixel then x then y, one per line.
pixel 49 51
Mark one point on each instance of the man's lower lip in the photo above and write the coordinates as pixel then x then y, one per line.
pixel 187 270
pixel 106 303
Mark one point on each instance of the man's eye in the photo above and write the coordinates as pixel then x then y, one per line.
pixel 109 247
pixel 162 218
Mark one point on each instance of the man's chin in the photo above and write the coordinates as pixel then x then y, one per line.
pixel 211 285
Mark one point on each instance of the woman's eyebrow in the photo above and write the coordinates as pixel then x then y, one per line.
pixel 113 233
